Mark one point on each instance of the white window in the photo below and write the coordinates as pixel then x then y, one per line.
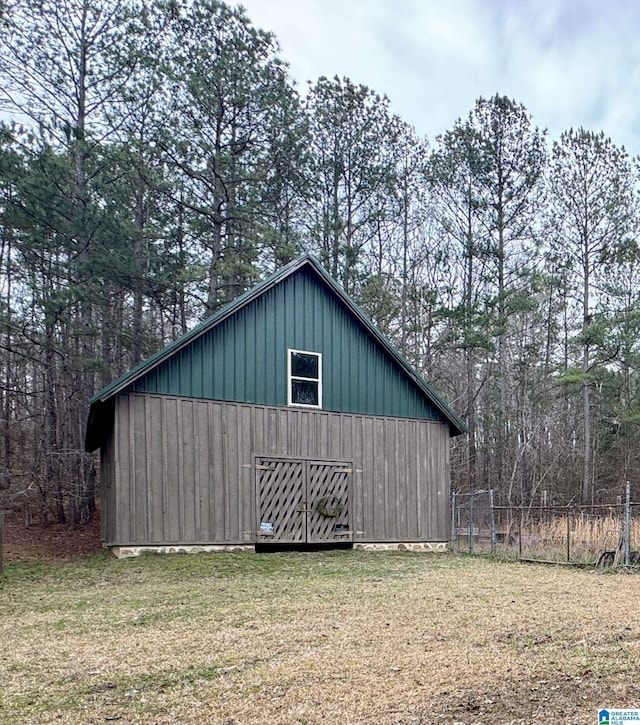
pixel 305 378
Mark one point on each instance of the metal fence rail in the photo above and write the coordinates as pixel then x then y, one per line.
pixel 600 535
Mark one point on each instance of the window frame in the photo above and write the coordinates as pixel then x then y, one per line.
pixel 291 378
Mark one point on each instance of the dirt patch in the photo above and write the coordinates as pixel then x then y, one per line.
pixel 57 542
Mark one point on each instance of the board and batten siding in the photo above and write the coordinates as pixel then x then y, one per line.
pixel 180 470
pixel 244 357
pixel 107 488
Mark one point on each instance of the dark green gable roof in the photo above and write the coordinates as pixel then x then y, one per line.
pixel 240 354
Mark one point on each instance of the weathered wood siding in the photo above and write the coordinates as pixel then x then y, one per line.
pixel 182 469
pixel 107 489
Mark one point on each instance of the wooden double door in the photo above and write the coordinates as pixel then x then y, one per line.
pixel 303 501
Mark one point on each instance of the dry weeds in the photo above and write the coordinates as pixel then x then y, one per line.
pixel 547 540
pixel 349 637
pixel 588 535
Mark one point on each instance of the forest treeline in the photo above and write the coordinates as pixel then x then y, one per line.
pixel 157 160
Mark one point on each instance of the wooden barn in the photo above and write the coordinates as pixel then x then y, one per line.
pixel 285 418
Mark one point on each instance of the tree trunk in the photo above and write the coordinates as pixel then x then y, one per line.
pixel 586 403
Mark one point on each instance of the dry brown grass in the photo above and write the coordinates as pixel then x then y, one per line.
pixel 348 637
pixel 588 536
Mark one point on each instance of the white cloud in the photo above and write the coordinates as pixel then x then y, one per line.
pixel 570 62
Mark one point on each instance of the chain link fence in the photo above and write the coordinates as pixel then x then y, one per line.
pixel 596 535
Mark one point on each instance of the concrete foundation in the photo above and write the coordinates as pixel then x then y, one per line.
pixel 431 546
pixel 126 552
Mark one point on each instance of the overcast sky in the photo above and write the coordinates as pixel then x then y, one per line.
pixel 571 63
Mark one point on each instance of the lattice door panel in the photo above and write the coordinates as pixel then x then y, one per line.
pixel 303 501
pixel 281 500
pixel 328 515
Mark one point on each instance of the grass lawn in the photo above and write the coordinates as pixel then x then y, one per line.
pixel 344 637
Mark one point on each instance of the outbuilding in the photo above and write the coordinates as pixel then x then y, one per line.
pixel 285 418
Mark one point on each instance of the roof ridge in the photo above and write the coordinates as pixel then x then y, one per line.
pixel 231 308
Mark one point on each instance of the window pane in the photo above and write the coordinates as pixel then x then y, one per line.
pixel 304 393
pixel 304 366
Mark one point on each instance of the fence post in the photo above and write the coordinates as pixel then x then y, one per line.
pixel 470 526
pixel 493 522
pixel 627 525
pixel 1 536
pixel 568 535
pixel 520 532
pixel 453 522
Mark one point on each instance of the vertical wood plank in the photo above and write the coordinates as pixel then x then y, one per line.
pixel 171 482
pixel 157 473
pixel 187 445
pixel 245 513
pixel 220 448
pixel 203 471
pixel 381 468
pixel 182 472
pixel 355 447
pixel 126 500
pixel 391 493
pixel 140 521
pixel 402 480
pixel 231 480
pixel 107 488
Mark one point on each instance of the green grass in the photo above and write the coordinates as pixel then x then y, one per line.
pixel 349 636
